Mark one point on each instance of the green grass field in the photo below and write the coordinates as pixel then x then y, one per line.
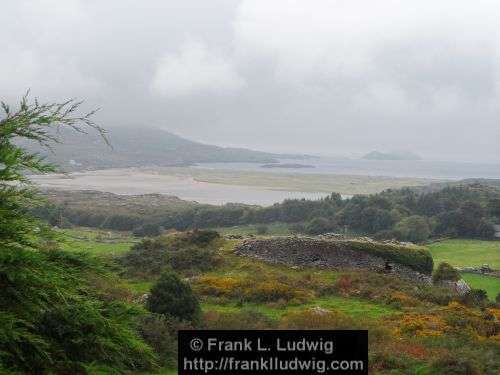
pixel 96 242
pixel 355 308
pixel 457 252
pixel 470 253
pixel 488 283
pixel 464 253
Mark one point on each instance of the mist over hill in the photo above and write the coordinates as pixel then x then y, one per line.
pixel 137 147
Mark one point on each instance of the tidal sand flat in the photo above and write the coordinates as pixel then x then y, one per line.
pixel 136 181
pixel 221 186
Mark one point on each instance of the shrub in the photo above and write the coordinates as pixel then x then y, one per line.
pixel 343 284
pixel 388 359
pixel 462 317
pixel 271 290
pixel 454 365
pixel 445 272
pixel 400 299
pixel 475 297
pixel 202 237
pixel 316 319
pixel 193 259
pixel 439 296
pixel 218 286
pixel 422 324
pixel 150 230
pixel 174 298
pixel 246 319
pixel 251 289
pixel 190 251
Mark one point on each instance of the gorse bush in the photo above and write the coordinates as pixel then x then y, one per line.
pixel 250 289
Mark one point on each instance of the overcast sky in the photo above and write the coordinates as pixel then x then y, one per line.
pixel 334 77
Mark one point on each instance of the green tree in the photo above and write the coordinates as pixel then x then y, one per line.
pixel 52 319
pixel 39 123
pixel 494 207
pixel 485 229
pixel 319 225
pixel 413 228
pixel 172 297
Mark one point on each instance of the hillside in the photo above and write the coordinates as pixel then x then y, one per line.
pixel 142 146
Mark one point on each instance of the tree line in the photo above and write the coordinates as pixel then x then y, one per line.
pixel 467 211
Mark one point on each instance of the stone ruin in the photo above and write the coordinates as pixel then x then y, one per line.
pixel 335 252
pixel 322 252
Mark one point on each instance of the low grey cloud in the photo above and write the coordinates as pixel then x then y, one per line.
pixel 195 70
pixel 339 77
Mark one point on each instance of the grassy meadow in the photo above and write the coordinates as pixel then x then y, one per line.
pixel 408 323
pixel 355 308
pixel 470 253
pixel 96 242
pixel 466 253
pixel 457 252
pixel 488 283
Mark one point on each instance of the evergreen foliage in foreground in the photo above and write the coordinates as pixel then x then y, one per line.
pixel 53 319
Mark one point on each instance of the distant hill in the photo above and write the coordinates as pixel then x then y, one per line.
pixel 136 147
pixel 377 155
